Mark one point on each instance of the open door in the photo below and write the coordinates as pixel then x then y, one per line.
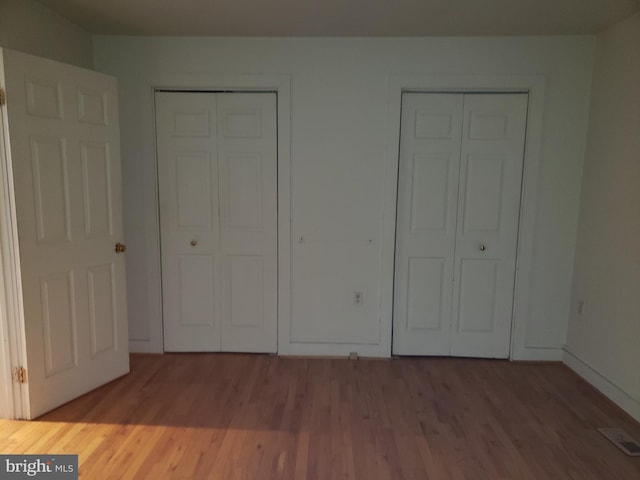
pixel 64 151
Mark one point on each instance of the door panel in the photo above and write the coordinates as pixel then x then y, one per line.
pixel 424 303
pixel 483 194
pixel 96 189
pixel 241 191
pixel 426 222
pixel 59 322
pixel 50 176
pixel 217 180
pixel 195 284
pixel 188 188
pixel 249 227
pixel 194 190
pixel 459 178
pixel 246 286
pixel 102 314
pixel 492 149
pixel 44 96
pixel 477 295
pixel 92 106
pixel 429 192
pixel 65 155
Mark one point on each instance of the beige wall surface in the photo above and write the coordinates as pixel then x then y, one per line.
pixel 605 336
pixel 30 27
pixel 339 123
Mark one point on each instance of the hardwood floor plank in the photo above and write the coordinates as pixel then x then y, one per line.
pixel 254 417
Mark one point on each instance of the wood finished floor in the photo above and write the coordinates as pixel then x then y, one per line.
pixel 198 416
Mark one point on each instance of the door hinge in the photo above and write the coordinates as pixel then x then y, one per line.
pixel 20 374
pixel 3 97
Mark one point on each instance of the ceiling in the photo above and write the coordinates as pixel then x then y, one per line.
pixel 344 17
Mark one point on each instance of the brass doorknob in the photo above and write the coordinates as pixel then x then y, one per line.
pixel 120 247
pixel 482 247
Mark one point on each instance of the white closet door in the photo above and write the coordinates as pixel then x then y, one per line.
pixel 247 151
pixel 217 166
pixel 426 222
pixel 65 153
pixel 459 187
pixel 488 211
pixel 187 149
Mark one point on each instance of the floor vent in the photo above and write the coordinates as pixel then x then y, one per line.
pixel 622 440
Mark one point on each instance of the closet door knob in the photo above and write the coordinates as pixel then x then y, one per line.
pixel 482 248
pixel 194 243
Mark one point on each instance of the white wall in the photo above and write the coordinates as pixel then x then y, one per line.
pixel 30 27
pixel 339 103
pixel 604 342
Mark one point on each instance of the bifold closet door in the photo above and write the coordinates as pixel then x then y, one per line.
pixel 217 175
pixel 459 190
pixel 426 222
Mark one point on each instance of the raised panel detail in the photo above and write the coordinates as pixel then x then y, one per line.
pixel 483 196
pixel 96 190
pixel 44 98
pixel 193 187
pixel 488 127
pixel 102 308
pixel 59 322
pixel 243 191
pixel 191 124
pixel 242 124
pixel 50 186
pixel 195 290
pixel 92 108
pixel 429 192
pixel 433 126
pixel 424 293
pixel 478 281
pixel 246 290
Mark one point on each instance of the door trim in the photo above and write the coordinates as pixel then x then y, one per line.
pixel 534 85
pixel 281 85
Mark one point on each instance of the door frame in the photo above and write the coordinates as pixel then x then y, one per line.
pixel 281 86
pixel 534 86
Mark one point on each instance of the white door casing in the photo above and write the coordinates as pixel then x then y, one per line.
pixel 459 187
pixel 65 155
pixel 217 169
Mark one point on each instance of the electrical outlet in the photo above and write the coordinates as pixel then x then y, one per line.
pixel 357 298
pixel 580 307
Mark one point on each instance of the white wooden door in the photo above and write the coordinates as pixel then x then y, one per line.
pixel 188 188
pixel 457 221
pixel 217 169
pixel 493 135
pixel 426 222
pixel 65 154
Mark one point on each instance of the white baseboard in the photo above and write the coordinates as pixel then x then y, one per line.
pixel 363 350
pixel 538 354
pixel 613 392
pixel 143 346
pixel 336 349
